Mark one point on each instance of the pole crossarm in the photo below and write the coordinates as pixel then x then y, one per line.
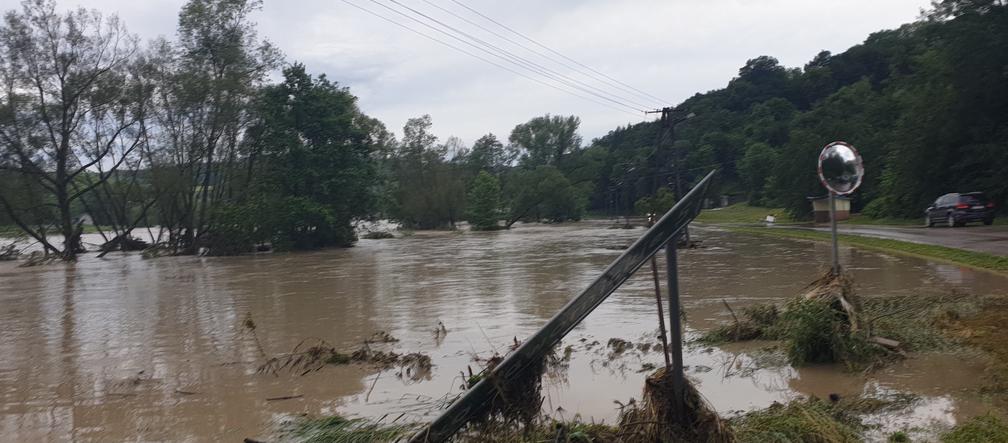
pixel 477 398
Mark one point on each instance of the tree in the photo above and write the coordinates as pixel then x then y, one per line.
pixel 488 154
pixel 543 193
pixel 429 189
pixel 313 172
pixel 483 202
pixel 69 105
pixel 546 140
pixel 657 204
pixel 755 167
pixel 206 86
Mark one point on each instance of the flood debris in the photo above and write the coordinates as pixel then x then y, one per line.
pixel 9 252
pixel 311 355
pixel 123 242
pixel 827 323
pixel 440 332
pixel 381 337
pixel 655 419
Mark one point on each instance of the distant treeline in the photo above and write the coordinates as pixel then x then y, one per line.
pixel 191 136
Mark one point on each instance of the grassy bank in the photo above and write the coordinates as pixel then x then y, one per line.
pixel 742 213
pixel 962 257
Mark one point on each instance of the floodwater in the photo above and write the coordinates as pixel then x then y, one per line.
pixel 123 348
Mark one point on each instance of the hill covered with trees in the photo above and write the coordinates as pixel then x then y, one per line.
pixel 926 105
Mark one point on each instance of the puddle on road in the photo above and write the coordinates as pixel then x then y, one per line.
pixel 125 348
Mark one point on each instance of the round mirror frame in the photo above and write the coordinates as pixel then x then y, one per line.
pixel 858 162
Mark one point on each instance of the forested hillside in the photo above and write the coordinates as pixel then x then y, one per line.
pixel 926 105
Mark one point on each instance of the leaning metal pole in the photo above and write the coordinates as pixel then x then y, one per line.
pixel 535 348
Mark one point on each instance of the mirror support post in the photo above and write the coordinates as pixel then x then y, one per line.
pixel 833 233
pixel 675 325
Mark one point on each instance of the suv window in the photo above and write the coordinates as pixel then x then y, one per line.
pixel 973 199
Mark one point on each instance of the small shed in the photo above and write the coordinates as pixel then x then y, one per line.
pixel 820 208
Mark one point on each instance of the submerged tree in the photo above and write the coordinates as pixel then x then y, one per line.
pixel 71 113
pixel 206 86
pixel 483 202
pixel 310 169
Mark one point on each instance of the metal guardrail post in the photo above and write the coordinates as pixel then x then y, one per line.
pixel 535 348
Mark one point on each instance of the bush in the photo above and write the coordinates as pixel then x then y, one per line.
pixel 817 332
pixel 798 421
pixel 878 208
pixel 286 223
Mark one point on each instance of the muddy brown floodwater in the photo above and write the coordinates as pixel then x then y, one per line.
pixel 123 348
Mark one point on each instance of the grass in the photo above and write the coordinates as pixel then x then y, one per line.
pixel 799 421
pixel 814 331
pixel 963 257
pixel 338 429
pixel 985 428
pixel 861 219
pixel 742 213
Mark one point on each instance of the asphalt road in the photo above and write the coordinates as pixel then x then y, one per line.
pixel 989 239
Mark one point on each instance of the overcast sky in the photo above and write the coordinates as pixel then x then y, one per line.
pixel 669 49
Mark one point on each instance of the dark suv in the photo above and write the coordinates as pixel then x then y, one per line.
pixel 958 209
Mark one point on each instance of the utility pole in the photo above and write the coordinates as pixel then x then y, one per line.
pixel 670 117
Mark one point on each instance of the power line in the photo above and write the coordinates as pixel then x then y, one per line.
pixel 586 72
pixel 603 81
pixel 645 94
pixel 511 57
pixel 485 59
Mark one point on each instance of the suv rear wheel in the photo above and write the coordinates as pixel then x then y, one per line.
pixel 952 221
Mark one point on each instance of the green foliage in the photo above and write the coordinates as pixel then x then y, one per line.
pixel 657 204
pixel 546 140
pixel 985 428
pixel 429 189
pixel 798 421
pixel 543 193
pixel 483 202
pixel 286 223
pixel 755 167
pixel 313 173
pixel 756 322
pixel 921 103
pixel 817 332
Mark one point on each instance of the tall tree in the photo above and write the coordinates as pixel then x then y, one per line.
pixel 69 104
pixel 483 202
pixel 207 81
pixel 546 140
